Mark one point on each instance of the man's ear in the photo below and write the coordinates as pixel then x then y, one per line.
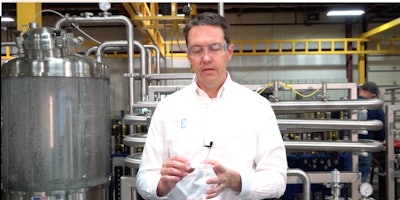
pixel 231 48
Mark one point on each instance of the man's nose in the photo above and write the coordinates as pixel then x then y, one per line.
pixel 207 52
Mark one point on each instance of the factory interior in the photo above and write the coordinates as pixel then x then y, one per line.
pixel 80 82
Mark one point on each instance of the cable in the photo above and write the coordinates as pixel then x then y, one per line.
pixel 209 150
pixel 48 10
pixel 287 86
pixel 83 32
pixel 72 23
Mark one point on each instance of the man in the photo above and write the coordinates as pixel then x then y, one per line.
pixel 370 90
pixel 212 122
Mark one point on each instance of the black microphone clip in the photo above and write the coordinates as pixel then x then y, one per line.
pixel 210 145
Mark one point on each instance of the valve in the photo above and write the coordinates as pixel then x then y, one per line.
pixel 335 186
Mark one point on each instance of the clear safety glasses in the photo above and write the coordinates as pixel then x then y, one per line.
pixel 197 51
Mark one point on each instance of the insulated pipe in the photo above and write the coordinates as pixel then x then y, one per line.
pixel 285 107
pixel 306 181
pixel 303 125
pixel 124 43
pixel 129 34
pixel 362 145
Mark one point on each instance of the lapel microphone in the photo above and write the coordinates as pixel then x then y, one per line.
pixel 210 145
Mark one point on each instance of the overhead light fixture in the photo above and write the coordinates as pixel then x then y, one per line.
pixel 7 19
pixel 345 13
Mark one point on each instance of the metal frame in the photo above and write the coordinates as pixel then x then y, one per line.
pixel 352 177
pixel 354 145
pixel 128 188
pixel 390 156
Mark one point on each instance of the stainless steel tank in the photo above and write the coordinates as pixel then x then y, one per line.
pixel 55 121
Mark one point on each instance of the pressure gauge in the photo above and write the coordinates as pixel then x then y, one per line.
pixel 366 189
pixel 104 5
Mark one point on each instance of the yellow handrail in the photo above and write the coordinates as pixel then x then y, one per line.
pixel 322 46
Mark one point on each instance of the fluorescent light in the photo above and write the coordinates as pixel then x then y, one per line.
pixel 7 19
pixel 345 13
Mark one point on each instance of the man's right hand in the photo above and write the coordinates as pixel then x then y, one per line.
pixel 172 171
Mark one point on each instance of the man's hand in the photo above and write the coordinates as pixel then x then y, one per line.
pixel 226 179
pixel 172 171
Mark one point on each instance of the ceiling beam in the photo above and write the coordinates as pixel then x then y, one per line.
pixel 381 28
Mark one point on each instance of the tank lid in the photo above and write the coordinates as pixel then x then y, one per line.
pixel 40 38
pixel 74 65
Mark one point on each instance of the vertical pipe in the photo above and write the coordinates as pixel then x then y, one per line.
pixel 142 61
pixel 306 181
pixel 149 66
pixel 142 69
pixel 129 33
pixel 335 184
pixel 221 8
pixel 349 57
pixel 275 93
pixel 324 91
pixel 158 54
pixel 390 170
pixel 362 60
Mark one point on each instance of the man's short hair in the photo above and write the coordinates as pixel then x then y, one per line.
pixel 371 87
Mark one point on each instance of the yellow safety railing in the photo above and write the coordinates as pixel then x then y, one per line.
pixel 301 47
pixel 8 55
pixel 176 48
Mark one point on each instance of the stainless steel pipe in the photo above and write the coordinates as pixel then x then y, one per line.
pixel 286 107
pixel 136 119
pixel 158 55
pixel 129 33
pixel 170 76
pixel 304 125
pixel 306 181
pixel 362 145
pixel 3 44
pixel 124 43
pixel 145 104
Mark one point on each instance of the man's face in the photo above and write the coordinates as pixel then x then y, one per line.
pixel 209 55
pixel 366 94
